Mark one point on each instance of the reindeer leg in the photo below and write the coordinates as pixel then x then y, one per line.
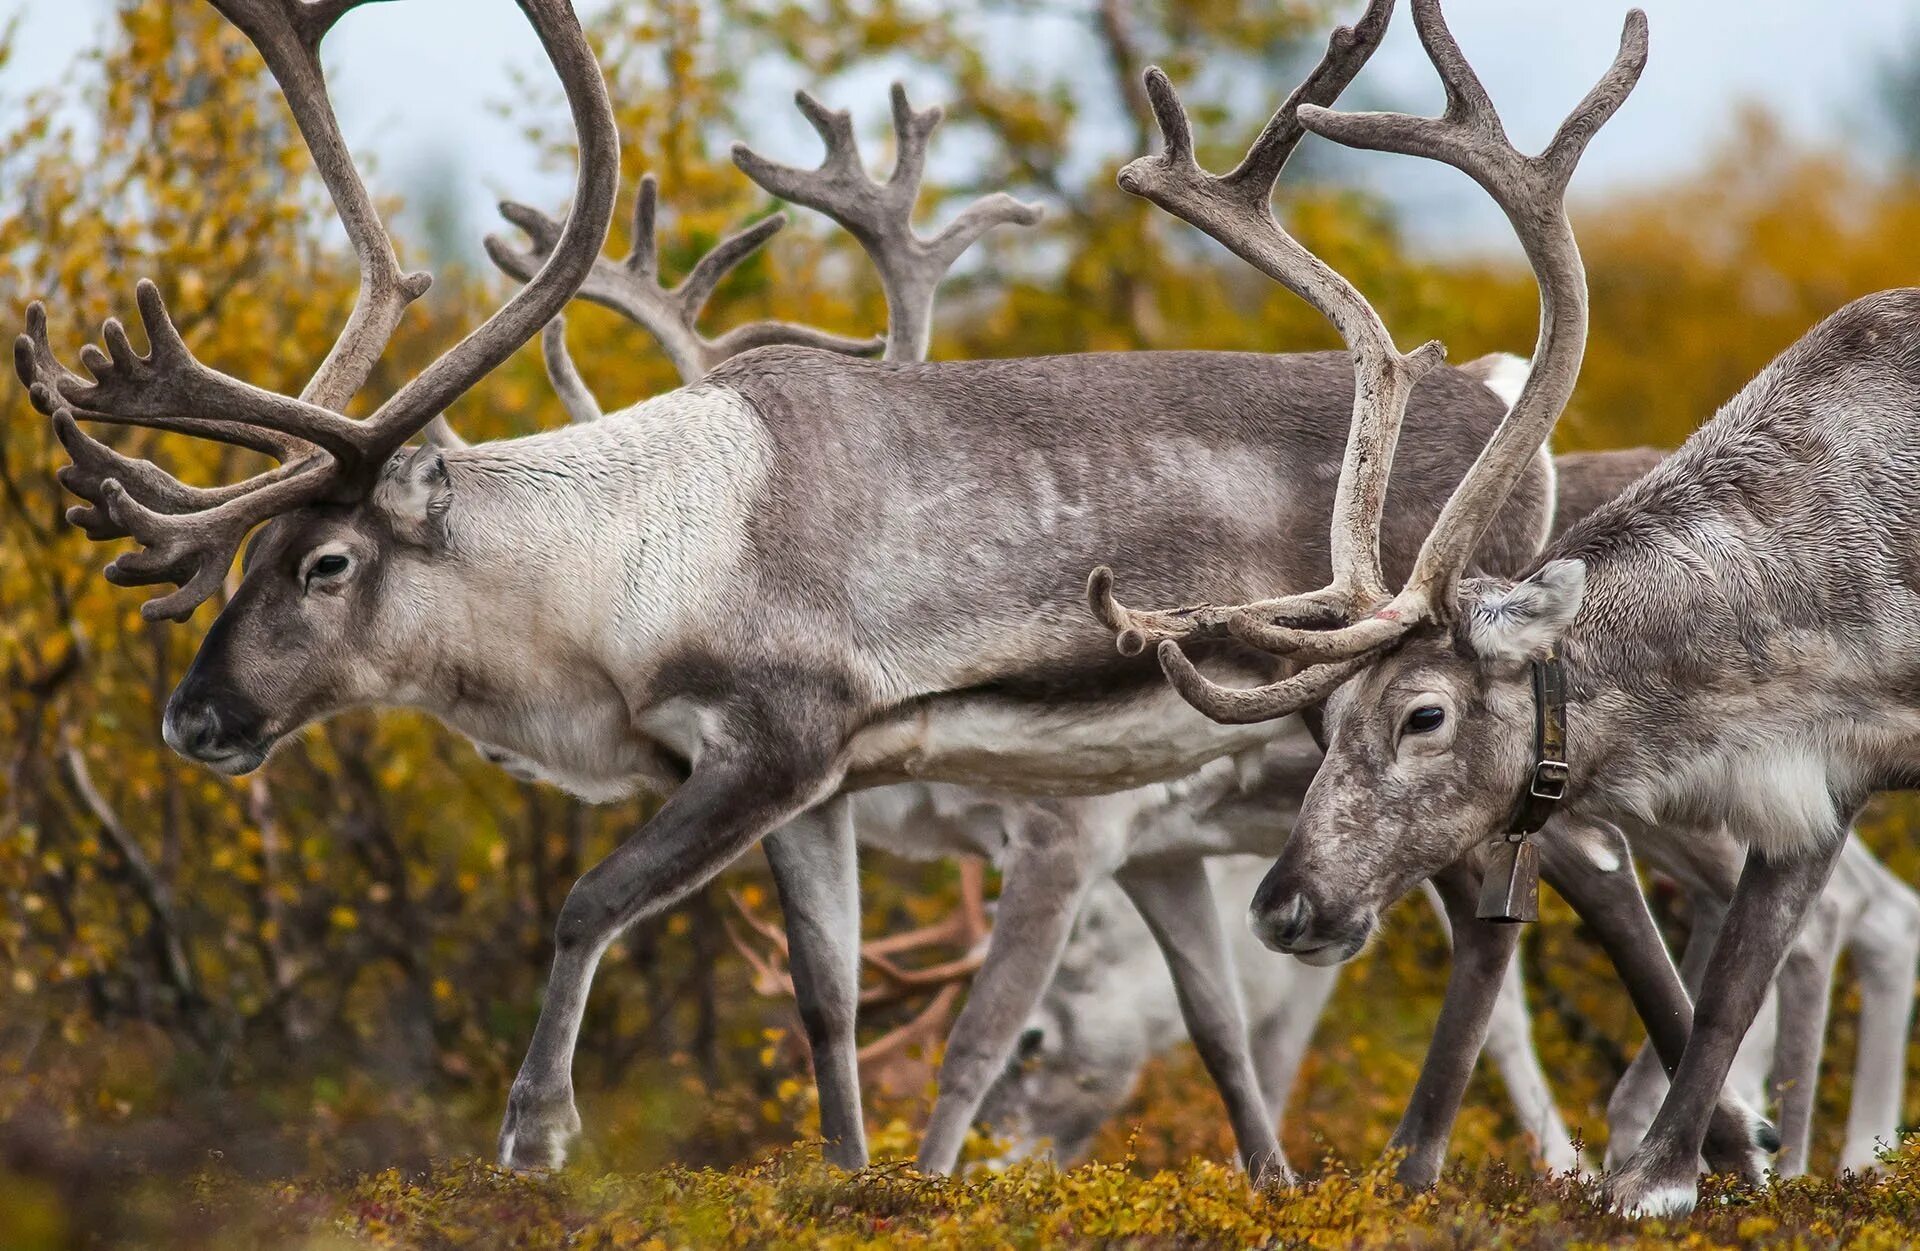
pixel 1591 869
pixel 1768 908
pixel 816 867
pixel 1637 1095
pixel 1885 946
pixel 735 796
pixel 1510 1046
pixel 1044 872
pixel 1175 899
pixel 1805 986
pixel 1280 1045
pixel 1482 950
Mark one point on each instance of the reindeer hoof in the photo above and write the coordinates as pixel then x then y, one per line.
pixel 1655 1183
pixel 1741 1142
pixel 1633 1197
pixel 537 1129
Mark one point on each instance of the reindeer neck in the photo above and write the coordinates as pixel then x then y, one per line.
pixel 583 554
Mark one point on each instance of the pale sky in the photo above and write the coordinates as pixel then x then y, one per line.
pixel 413 82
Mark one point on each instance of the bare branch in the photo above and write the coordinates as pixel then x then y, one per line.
pixel 146 882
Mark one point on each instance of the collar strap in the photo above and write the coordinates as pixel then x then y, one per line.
pixel 1510 889
pixel 1547 780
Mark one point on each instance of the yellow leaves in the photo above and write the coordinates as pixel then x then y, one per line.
pixel 342 917
pixel 23 982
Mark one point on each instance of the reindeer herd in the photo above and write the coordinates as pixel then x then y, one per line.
pixel 811 601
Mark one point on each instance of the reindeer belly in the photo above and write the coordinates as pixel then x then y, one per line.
pixel 1041 748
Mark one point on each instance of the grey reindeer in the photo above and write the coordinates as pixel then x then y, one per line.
pixel 1865 911
pixel 803 576
pixel 1113 1005
pixel 1590 864
pixel 1737 632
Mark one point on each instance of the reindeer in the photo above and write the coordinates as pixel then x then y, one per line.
pixel 1732 639
pixel 1864 910
pixel 1113 1006
pixel 803 576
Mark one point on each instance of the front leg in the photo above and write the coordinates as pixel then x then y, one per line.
pixel 1590 867
pixel 1482 950
pixel 1767 910
pixel 1175 899
pixel 816 868
pixel 1805 985
pixel 747 781
pixel 1636 1097
pixel 1044 872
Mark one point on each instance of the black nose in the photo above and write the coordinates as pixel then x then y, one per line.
pixel 1282 926
pixel 193 730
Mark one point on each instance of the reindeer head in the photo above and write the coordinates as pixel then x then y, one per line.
pixel 1079 1058
pixel 1426 690
pixel 1428 748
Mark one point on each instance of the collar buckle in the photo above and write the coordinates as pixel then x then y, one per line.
pixel 1549 780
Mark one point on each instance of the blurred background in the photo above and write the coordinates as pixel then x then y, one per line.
pixel 336 964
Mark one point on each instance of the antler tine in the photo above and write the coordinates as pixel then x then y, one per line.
pixel 287 34
pixel 94 463
pixel 631 286
pixel 168 387
pixel 193 550
pixel 896 981
pixel 567 265
pixel 880 215
pixel 1231 705
pixel 579 402
pixel 1531 190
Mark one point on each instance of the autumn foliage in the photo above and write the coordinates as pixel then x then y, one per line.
pixel 260 1006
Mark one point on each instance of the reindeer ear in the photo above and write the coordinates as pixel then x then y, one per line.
pixel 414 493
pixel 1524 621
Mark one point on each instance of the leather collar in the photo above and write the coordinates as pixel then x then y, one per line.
pixel 1510 890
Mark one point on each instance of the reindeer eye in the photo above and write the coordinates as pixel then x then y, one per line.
pixel 332 565
pixel 1425 720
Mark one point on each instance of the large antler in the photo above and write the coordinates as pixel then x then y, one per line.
pixel 189 535
pixel 632 286
pixel 1332 630
pixel 880 215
